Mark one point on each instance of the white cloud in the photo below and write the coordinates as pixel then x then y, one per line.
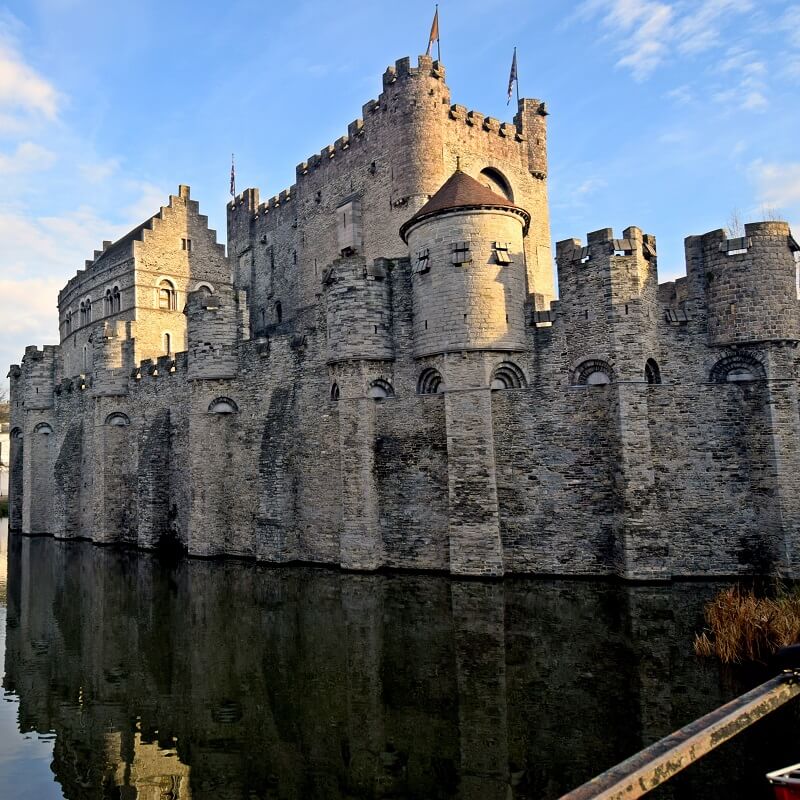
pixel 791 69
pixel 22 88
pixel 790 22
pixel 745 77
pixel 777 184
pixel 589 186
pixel 649 32
pixel 754 101
pixel 576 195
pixel 38 296
pixel 149 200
pixel 28 157
pixel 99 171
pixel 52 245
pixel 682 95
pixel 700 29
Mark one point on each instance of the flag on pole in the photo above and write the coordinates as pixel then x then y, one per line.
pixel 434 37
pixel 512 78
pixel 233 178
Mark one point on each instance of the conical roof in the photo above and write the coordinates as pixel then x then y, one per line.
pixel 461 191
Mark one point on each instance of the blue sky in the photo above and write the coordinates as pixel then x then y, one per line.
pixel 666 114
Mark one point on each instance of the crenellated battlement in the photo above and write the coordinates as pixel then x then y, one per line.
pixel 34 385
pixel 427 67
pixel 603 244
pixel 400 80
pixel 213 334
pixel 747 283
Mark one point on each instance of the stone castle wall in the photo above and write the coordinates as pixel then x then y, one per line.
pixel 342 400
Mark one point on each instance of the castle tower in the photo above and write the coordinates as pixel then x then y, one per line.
pixel 360 349
pixel 608 316
pixel 35 388
pixel 469 291
pixel 414 97
pixel 112 359
pixel 468 270
pixel 240 222
pixel 750 284
pixel 358 311
pixel 212 331
pixel 608 305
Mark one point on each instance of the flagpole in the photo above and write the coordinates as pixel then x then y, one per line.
pixel 517 81
pixel 438 37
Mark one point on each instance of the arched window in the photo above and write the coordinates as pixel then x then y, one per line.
pixel 737 368
pixel 83 313
pixel 430 381
pixel 222 405
pixel 278 312
pixel 166 296
pixel 205 288
pixel 88 310
pixel 167 340
pixel 593 373
pixel 85 358
pixel 117 420
pixel 380 390
pixel 652 374
pixel 68 323
pixel 335 391
pixel 116 300
pixel 495 180
pixel 43 428
pixel 508 375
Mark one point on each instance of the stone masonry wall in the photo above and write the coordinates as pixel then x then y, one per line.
pixel 393 159
pixel 337 403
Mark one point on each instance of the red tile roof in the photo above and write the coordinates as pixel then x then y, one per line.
pixel 461 191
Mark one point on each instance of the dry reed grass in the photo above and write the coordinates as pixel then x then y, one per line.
pixel 745 627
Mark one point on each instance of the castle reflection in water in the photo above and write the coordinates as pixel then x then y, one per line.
pixel 231 680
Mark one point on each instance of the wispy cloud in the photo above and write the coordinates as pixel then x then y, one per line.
pixel 576 194
pixel 790 23
pixel 99 171
pixel 777 184
pixel 649 32
pixel 699 29
pixel 27 157
pixel 22 88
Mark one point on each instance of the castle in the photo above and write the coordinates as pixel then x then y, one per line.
pixel 376 375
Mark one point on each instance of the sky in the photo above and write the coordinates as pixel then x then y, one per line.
pixel 672 115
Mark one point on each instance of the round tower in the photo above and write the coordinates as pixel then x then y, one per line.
pixel 358 305
pixel 212 334
pixel 468 270
pixel 412 106
pixel 751 291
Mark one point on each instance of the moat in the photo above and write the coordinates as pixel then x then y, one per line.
pixel 127 677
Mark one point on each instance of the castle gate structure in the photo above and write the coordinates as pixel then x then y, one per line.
pixel 378 374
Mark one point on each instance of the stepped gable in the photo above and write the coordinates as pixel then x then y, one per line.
pixel 461 191
pixel 124 243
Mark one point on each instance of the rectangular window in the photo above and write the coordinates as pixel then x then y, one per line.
pixel 422 264
pixel 461 253
pixel 186 244
pixel 502 253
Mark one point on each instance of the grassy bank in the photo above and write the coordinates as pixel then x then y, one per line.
pixel 741 626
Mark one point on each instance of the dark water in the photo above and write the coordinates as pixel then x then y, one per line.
pixel 129 678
